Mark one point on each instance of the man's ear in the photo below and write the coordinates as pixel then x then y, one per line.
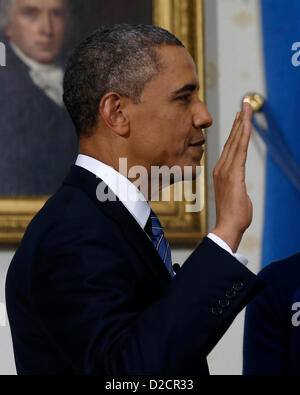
pixel 113 112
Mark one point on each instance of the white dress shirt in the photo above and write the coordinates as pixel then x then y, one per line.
pixel 47 77
pixel 132 197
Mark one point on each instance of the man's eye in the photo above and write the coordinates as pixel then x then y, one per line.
pixel 57 13
pixel 185 98
pixel 30 12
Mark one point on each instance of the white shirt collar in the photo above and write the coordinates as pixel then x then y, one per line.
pixel 126 191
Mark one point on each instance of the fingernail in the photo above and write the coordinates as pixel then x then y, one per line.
pixel 237 116
pixel 245 106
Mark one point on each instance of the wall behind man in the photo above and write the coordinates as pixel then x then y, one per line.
pixel 233 67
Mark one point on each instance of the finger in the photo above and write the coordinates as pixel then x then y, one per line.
pixel 235 127
pixel 234 146
pixel 237 122
pixel 247 111
pixel 241 154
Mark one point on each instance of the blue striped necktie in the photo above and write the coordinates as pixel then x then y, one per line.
pixel 160 242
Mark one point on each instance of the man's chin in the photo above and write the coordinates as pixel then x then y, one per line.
pixel 45 57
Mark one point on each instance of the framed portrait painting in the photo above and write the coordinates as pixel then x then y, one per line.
pixel 38 141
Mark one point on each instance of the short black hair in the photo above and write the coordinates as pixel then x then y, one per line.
pixel 119 58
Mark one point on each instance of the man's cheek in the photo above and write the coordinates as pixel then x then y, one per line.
pixel 60 33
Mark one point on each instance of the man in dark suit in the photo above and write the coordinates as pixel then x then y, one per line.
pixel 32 116
pixel 91 289
pixel 272 326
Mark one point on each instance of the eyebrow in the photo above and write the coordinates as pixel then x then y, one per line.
pixel 187 88
pixel 34 7
pixel 29 7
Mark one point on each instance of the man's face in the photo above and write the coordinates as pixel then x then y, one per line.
pixel 167 125
pixel 38 27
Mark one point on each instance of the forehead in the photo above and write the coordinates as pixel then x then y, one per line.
pixel 178 68
pixel 40 3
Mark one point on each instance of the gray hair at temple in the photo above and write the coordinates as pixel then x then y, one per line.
pixel 6 7
pixel 118 58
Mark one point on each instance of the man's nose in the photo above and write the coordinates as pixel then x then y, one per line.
pixel 202 118
pixel 46 26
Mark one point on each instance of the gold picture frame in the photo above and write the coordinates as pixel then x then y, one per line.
pixel 184 18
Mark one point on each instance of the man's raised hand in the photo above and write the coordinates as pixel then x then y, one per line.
pixel 233 206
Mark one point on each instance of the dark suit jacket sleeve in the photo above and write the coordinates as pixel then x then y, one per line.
pixel 82 291
pixel 267 324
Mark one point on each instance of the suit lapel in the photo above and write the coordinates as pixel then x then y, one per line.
pixel 132 231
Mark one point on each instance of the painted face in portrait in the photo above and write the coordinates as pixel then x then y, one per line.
pixel 38 27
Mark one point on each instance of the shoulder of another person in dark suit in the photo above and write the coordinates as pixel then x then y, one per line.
pixel 284 274
pixel 282 280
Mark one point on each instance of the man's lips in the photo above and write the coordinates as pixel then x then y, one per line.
pixel 45 45
pixel 197 147
pixel 197 143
